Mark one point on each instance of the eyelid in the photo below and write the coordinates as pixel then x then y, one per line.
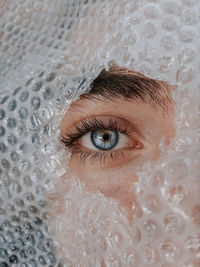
pixel 109 158
pixel 121 125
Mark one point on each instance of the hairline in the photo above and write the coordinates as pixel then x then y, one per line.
pixel 122 84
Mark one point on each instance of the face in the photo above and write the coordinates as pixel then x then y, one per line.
pixel 110 138
pixel 111 133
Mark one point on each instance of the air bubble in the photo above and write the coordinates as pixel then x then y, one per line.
pixel 187 35
pixel 37 86
pixel 35 138
pixel 183 167
pixel 9 234
pixel 12 140
pixel 41 246
pixel 173 224
pixel 149 255
pixel 151 204
pixel 22 131
pixel 113 260
pixel 14 156
pixel 185 75
pixel 12 246
pixel 27 181
pixel 35 122
pixel 15 187
pixel 24 165
pixel 51 257
pixel 3 253
pixel 16 172
pixel 132 258
pixel 12 105
pixel 149 30
pixel 169 251
pixel 42 260
pixel 189 17
pixel 37 221
pixel 51 77
pixel 23 112
pixel 158 179
pixel 192 245
pixel 11 123
pixel 168 42
pixel 176 194
pixel 32 262
pixel 2 114
pixel 28 227
pixel 164 64
pixel 29 197
pixel 2 131
pixel 47 93
pixel 15 92
pixel 3 147
pixel 151 229
pixel 33 209
pixel 23 214
pixel 147 53
pixel 35 102
pixel 187 55
pixel 23 148
pixel 23 253
pixel 13 259
pixel 171 7
pixel 24 96
pixel 113 240
pixel 151 12
pixel 169 24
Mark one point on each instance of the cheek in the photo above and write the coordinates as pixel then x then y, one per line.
pixel 116 184
pixel 102 179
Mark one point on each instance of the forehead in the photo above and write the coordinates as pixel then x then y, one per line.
pixel 104 22
pixel 138 35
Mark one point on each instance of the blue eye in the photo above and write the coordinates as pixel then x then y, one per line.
pixel 104 139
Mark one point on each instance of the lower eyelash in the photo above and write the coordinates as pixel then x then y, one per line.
pixel 95 157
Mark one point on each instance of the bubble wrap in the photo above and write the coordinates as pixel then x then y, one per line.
pixel 50 51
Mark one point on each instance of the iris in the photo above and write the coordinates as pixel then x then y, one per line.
pixel 104 139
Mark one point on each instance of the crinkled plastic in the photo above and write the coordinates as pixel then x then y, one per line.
pixel 50 52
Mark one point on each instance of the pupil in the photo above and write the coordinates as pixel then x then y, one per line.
pixel 106 137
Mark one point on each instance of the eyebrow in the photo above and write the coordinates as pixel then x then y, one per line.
pixel 129 85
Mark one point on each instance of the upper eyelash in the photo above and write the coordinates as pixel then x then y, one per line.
pixel 91 124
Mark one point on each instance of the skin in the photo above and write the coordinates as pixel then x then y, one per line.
pixel 117 178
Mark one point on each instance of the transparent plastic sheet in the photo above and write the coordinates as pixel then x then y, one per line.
pixel 50 52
